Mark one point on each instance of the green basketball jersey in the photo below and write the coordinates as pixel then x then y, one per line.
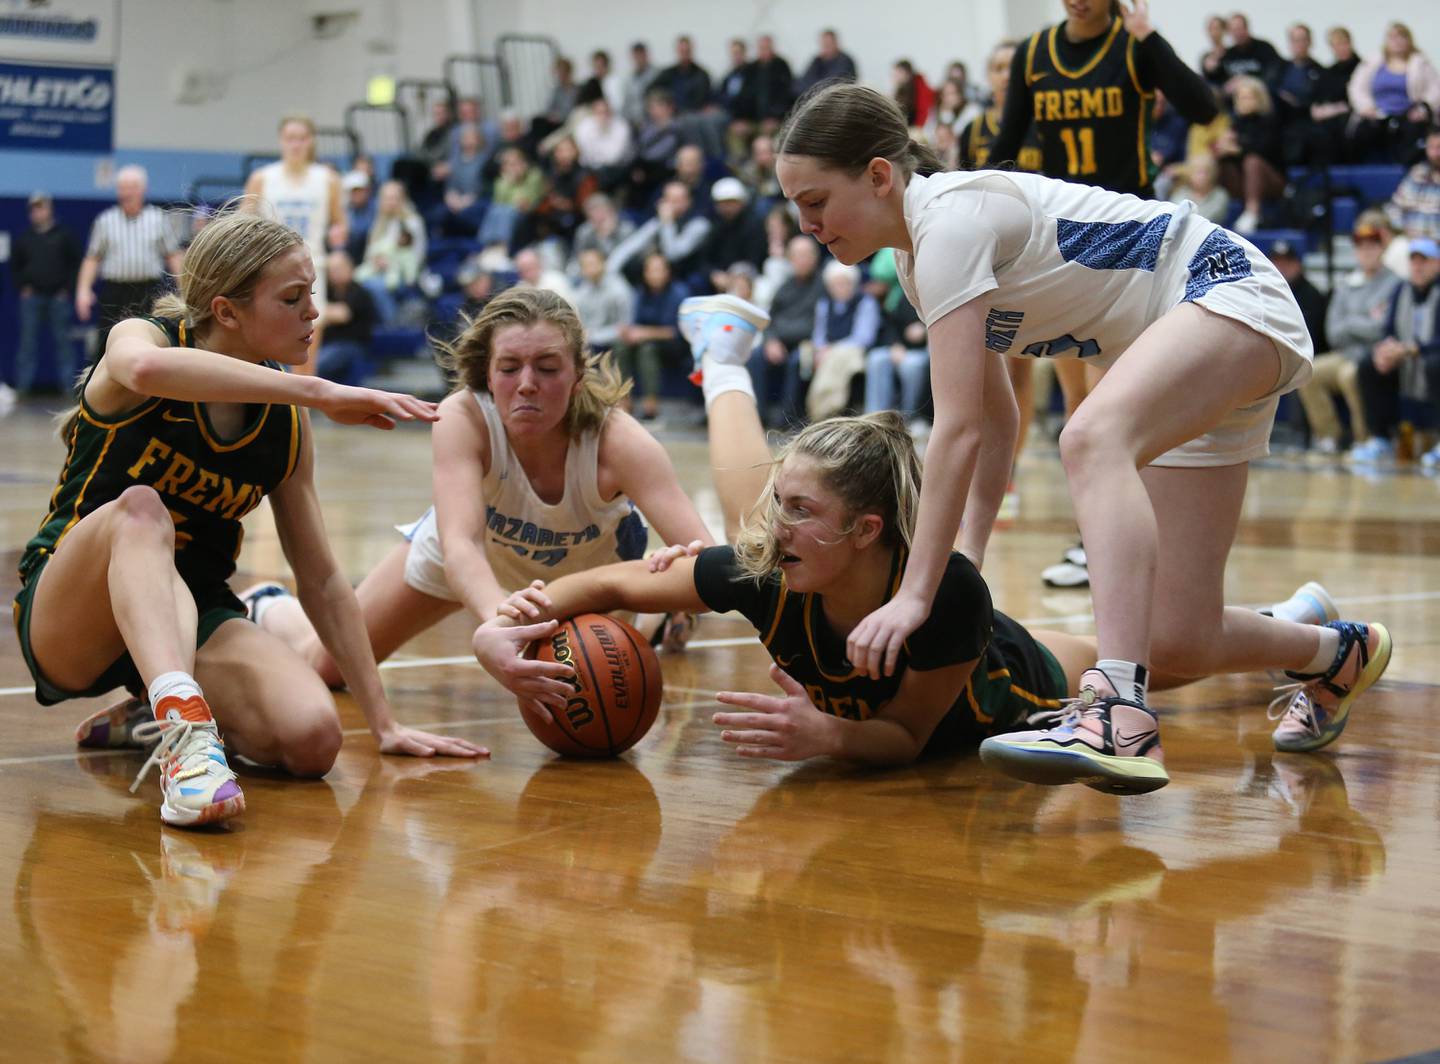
pixel 208 483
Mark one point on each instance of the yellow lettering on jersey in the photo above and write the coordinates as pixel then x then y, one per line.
pixel 1074 105
pixel 1070 100
pixel 153 450
pixel 181 469
pixel 1114 102
pixel 195 493
pixel 228 498
pixel 1092 102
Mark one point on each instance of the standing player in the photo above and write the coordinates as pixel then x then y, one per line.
pixel 184 425
pixel 304 195
pixel 535 472
pixel 1200 337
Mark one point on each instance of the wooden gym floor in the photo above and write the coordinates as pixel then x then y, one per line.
pixel 682 905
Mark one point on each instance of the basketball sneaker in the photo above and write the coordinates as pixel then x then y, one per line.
pixel 113 728
pixel 1310 603
pixel 724 327
pixel 1071 571
pixel 1313 710
pixel 1102 740
pixel 196 783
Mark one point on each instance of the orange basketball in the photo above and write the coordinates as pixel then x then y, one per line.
pixel 617 687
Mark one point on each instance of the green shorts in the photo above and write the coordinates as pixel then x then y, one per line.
pixel 216 605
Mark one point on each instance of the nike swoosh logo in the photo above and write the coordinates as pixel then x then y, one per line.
pixel 178 420
pixel 1036 77
pixel 1121 739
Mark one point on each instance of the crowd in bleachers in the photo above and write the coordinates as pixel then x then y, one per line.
pixel 634 188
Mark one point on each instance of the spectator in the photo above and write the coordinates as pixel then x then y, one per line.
pixel 1394 97
pixel 1415 206
pixel 517 191
pixel 653 337
pixel 1199 183
pixel 736 92
pixel 690 171
pixel 780 229
pixel 470 115
pixel 359 212
pixel 903 356
pixel 1169 136
pixel 46 259
pixel 655 148
pixel 1330 108
pixel 776 367
pixel 349 317
pixel 1311 300
pixel 534 273
pixel 603 300
pixel 395 252
pixel 131 248
pixel 423 169
pixel 1300 78
pixel 463 204
pixel 567 186
pixel 605 143
pixel 829 63
pixel 603 228
pixel 603 84
pixel 738 234
pixel 435 144
pixel 1406 361
pixel 758 170
pixel 847 325
pixel 677 231
pixel 912 93
pixel 774 84
pixel 1210 59
pixel 511 134
pixel 477 285
pixel 1354 323
pixel 564 94
pixel 686 80
pixel 638 85
pixel 1247 56
pixel 952 109
pixel 1251 166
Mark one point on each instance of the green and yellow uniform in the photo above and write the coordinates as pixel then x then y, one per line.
pixel 979 137
pixel 207 482
pixel 1015 676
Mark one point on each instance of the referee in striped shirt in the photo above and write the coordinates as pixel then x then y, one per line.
pixel 131 248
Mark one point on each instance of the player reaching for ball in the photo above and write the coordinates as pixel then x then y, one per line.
pixel 185 423
pixel 536 474
pixel 825 530
pixel 1199 336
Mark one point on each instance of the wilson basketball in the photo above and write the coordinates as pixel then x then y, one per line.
pixel 617 687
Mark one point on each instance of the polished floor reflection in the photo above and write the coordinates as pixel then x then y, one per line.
pixel 682 905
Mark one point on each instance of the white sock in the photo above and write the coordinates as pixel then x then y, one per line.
pixel 720 377
pixel 263 604
pixel 1329 645
pixel 1129 679
pixel 1293 609
pixel 180 684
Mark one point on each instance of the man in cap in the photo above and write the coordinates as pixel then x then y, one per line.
pixel 737 235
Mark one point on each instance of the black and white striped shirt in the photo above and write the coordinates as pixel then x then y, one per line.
pixel 132 249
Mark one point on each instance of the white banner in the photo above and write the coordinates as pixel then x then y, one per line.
pixel 59 31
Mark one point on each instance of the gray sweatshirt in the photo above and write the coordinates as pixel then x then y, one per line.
pixel 1355 321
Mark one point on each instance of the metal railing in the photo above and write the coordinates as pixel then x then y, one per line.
pixel 379 129
pixel 415 96
pixel 529 60
pixel 482 77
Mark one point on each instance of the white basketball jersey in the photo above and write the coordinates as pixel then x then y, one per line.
pixel 527 538
pixel 1067 270
pixel 303 205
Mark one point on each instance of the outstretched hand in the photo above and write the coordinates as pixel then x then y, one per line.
pixel 663 558
pixel 873 645
pixel 785 727
pixel 415 743
pixel 527 604
pixel 500 649
pixel 370 406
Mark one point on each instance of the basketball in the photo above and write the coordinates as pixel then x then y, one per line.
pixel 617 687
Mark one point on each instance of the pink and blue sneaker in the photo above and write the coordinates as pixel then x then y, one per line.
pixel 725 327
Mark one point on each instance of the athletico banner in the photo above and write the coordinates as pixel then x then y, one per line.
pixel 46 108
pixel 58 31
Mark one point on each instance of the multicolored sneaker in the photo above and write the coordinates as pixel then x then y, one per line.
pixel 113 728
pixel 724 327
pixel 1102 740
pixel 1310 603
pixel 196 783
pixel 1313 710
